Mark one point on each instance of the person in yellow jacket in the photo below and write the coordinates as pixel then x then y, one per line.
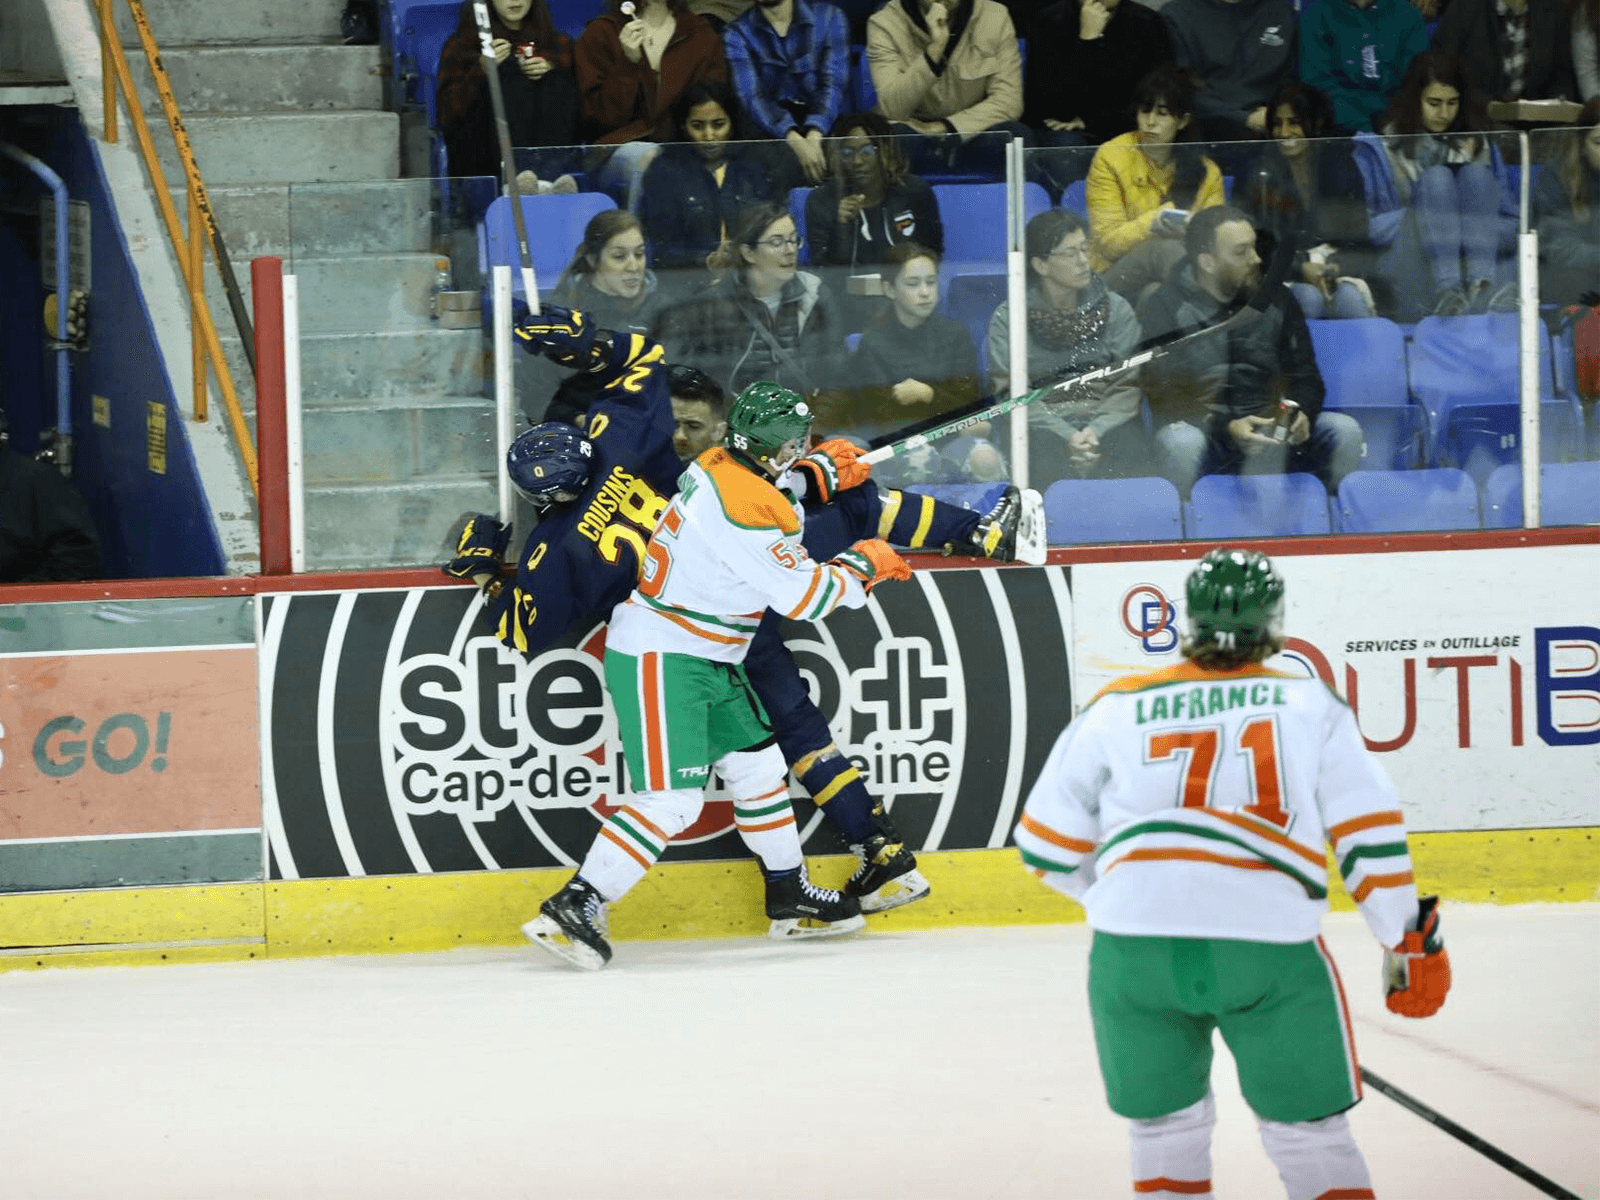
pixel 950 70
pixel 1144 185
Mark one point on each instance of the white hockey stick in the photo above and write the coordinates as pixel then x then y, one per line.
pixel 1271 281
pixel 530 285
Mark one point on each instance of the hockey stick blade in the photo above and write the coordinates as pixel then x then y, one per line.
pixel 508 163
pixel 1467 1138
pixel 984 410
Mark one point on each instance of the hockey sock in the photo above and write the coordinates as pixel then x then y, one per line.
pixel 1171 1155
pixel 835 785
pixel 632 838
pixel 916 522
pixel 1317 1158
pixel 759 781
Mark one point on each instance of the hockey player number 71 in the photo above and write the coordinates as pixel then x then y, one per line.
pixel 1198 747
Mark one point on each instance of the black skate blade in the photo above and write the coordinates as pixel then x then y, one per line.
pixel 546 934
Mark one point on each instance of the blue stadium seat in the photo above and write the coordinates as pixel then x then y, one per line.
pixel 421 32
pixel 1363 364
pixel 1231 506
pixel 1076 197
pixel 976 497
pixel 555 226
pixel 1400 501
pixel 972 299
pixel 797 210
pixel 1080 511
pixel 1468 360
pixel 862 94
pixel 974 217
pixel 1569 494
pixel 1478 438
pixel 570 16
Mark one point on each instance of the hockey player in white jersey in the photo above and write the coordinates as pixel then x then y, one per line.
pixel 726 549
pixel 1189 811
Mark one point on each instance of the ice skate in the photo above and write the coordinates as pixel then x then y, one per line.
pixel 887 877
pixel 798 908
pixel 572 925
pixel 1014 529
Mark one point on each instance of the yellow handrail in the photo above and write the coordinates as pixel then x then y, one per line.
pixel 188 251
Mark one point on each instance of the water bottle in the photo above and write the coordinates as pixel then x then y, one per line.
pixel 441 284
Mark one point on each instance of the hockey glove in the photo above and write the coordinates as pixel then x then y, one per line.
pixel 872 561
pixel 833 467
pixel 1416 973
pixel 479 549
pixel 563 335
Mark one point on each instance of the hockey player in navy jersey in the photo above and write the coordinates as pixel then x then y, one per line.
pixel 600 494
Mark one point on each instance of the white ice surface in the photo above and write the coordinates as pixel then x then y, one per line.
pixel 888 1066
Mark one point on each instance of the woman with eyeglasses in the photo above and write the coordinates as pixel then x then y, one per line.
pixel 870 200
pixel 698 186
pixel 762 317
pixel 1075 324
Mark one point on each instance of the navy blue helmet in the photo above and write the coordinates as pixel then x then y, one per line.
pixel 550 464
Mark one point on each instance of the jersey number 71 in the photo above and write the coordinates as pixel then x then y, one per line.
pixel 1197 748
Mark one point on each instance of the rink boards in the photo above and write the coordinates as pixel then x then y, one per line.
pixel 307 771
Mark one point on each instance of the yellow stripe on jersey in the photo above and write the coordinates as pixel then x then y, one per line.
pixel 746 498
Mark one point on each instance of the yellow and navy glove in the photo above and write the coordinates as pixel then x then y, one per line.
pixel 833 467
pixel 479 550
pixel 563 335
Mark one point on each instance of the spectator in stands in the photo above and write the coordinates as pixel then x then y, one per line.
pixel 536 82
pixel 911 364
pixel 1085 57
pixel 1566 205
pixel 762 317
pixel 1356 52
pixel 721 13
pixel 694 192
pixel 1585 19
pixel 949 73
pixel 1439 201
pixel 870 201
pixel 791 67
pixel 1510 49
pixel 1218 400
pixel 1143 186
pixel 1243 51
pixel 1075 324
pixel 47 534
pixel 1309 191
pixel 632 67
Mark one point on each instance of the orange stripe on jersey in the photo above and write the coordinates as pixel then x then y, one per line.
pixel 778 824
pixel 655 733
pixel 1348 1194
pixel 747 499
pixel 1313 857
pixel 1371 821
pixel 639 818
pixel 693 628
pixel 1174 854
pixel 1184 1187
pixel 816 579
pixel 1185 672
pixel 618 840
pixel 1045 833
pixel 1399 879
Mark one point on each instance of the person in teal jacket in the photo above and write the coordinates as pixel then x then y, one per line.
pixel 1356 52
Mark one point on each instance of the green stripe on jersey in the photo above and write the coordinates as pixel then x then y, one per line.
pixel 1315 888
pixel 1041 863
pixel 1347 864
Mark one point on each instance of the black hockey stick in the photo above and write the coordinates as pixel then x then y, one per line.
pixel 530 284
pixel 1493 1153
pixel 914 437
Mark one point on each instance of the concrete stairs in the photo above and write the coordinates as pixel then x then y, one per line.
pixel 302 161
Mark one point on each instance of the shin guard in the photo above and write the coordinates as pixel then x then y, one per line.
pixel 835 785
pixel 1317 1158
pixel 759 781
pixel 632 838
pixel 1171 1155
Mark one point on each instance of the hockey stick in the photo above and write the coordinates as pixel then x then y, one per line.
pixel 1493 1153
pixel 530 286
pixel 914 438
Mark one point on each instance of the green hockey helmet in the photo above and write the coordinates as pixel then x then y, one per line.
pixel 768 426
pixel 1235 602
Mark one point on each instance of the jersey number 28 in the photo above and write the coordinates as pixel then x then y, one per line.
pixel 1257 740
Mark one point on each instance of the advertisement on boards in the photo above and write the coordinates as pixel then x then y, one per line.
pixel 399 736
pixel 1474 674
